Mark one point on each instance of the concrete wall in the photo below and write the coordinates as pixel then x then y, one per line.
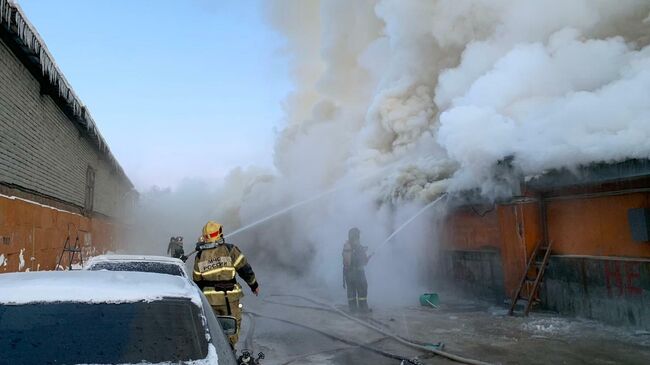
pixel 476 273
pixel 43 151
pixel 614 291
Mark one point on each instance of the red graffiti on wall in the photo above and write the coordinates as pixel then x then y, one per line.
pixel 633 273
pixel 622 279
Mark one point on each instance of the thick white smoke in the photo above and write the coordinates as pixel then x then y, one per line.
pixel 398 101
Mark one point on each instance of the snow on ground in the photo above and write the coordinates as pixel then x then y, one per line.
pixel 470 328
pixel 548 326
pixel 93 287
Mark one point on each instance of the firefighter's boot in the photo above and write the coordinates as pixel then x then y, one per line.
pixel 352 305
pixel 363 305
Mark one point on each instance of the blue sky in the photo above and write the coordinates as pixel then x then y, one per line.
pixel 179 89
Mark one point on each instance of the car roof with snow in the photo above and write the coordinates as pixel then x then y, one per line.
pixel 111 257
pixel 138 263
pixel 93 287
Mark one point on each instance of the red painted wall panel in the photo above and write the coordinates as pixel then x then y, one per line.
pixel 40 232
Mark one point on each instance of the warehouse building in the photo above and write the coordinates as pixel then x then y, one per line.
pixel 596 221
pixel 58 178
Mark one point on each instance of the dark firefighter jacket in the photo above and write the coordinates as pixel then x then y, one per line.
pixel 216 267
pixel 354 257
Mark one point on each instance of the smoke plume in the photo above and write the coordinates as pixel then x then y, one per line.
pixel 396 102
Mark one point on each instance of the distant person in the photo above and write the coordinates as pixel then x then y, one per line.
pixel 175 247
pixel 355 259
pixel 214 272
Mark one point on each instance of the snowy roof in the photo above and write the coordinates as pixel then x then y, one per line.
pixel 592 174
pixel 14 21
pixel 93 287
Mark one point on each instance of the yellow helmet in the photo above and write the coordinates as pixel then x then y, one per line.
pixel 212 232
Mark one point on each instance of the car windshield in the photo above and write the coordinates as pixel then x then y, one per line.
pixel 169 330
pixel 141 266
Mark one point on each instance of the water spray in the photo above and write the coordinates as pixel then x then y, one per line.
pixel 401 227
pixel 281 212
pixel 312 199
pixel 271 216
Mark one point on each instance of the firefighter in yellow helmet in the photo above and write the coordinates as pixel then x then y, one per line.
pixel 215 267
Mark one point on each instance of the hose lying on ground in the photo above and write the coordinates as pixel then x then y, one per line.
pixel 445 354
pixel 333 311
pixel 343 348
pixel 340 339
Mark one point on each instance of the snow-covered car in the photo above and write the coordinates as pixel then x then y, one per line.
pixel 107 317
pixel 142 263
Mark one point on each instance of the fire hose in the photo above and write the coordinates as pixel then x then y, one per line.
pixel 399 339
pixel 340 339
pixel 333 311
pixel 334 350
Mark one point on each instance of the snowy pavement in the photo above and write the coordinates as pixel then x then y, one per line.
pixel 471 329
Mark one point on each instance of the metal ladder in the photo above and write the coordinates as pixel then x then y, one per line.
pixel 71 251
pixel 538 261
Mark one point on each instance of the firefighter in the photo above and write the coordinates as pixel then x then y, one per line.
pixel 355 259
pixel 175 247
pixel 214 272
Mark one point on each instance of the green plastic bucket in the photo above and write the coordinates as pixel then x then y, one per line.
pixel 429 300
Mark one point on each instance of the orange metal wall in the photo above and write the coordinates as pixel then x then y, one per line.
pixel 591 226
pixel 595 226
pixel 465 229
pixel 521 231
pixel 40 232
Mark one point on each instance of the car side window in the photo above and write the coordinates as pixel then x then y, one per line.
pixel 217 337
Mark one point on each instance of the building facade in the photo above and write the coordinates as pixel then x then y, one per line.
pixel 597 220
pixel 58 178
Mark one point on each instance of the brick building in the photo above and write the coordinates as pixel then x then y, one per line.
pixel 58 178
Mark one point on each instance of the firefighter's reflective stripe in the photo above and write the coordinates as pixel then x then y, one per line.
pixel 220 274
pixel 216 297
pixel 238 261
pixel 210 291
pixel 363 298
pixel 219 270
